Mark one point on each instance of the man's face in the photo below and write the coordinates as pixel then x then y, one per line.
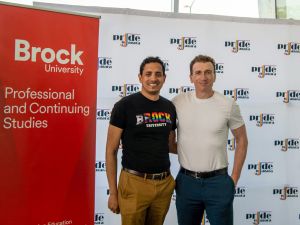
pixel 203 76
pixel 152 78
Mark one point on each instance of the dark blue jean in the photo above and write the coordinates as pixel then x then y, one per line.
pixel 214 195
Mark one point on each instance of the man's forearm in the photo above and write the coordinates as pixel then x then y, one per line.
pixel 239 159
pixel 111 171
pixel 240 152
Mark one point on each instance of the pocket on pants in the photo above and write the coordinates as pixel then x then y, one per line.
pixel 132 186
pixel 177 180
pixel 172 184
pixel 231 183
pixel 122 185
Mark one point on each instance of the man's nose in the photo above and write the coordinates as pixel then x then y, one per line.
pixel 202 77
pixel 153 77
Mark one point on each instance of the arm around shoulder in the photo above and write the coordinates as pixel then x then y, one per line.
pixel 172 142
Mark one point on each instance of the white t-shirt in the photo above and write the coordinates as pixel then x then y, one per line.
pixel 202 130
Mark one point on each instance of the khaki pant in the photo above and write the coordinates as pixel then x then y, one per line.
pixel 144 201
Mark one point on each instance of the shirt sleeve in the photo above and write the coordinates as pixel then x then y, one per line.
pixel 174 122
pixel 236 119
pixel 118 115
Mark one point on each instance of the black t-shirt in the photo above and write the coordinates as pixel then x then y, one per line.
pixel 146 127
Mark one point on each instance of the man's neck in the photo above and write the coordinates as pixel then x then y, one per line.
pixel 152 97
pixel 204 95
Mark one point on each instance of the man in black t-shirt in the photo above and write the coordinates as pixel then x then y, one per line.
pixel 144 122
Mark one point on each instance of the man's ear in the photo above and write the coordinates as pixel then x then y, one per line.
pixel 191 78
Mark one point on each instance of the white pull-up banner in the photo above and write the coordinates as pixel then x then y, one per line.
pixel 257 65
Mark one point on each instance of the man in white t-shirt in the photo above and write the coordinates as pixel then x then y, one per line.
pixel 204 118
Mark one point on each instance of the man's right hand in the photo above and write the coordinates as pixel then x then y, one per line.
pixel 113 204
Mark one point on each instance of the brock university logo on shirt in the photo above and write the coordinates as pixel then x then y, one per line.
pixel 154 119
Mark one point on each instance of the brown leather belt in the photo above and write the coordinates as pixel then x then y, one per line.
pixel 199 175
pixel 151 176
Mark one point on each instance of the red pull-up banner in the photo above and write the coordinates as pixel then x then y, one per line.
pixel 48 79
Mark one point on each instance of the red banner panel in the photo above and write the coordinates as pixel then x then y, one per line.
pixel 48 79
